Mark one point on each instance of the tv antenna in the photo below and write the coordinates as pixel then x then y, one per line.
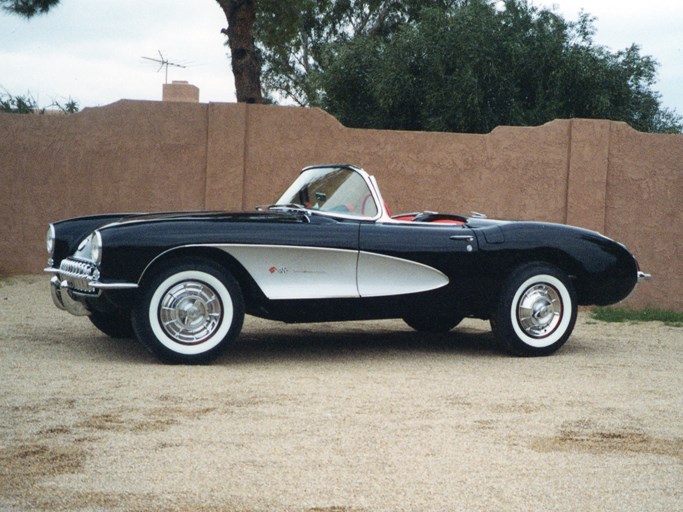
pixel 164 62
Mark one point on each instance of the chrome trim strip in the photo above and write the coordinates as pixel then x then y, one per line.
pixel 95 285
pixel 112 286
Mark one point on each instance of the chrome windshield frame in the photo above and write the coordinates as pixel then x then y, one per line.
pixel 371 184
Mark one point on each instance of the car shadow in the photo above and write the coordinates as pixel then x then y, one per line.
pixel 316 342
pixel 117 350
pixel 319 344
pixel 310 342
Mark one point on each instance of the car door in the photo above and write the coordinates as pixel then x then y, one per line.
pixel 315 259
pixel 412 257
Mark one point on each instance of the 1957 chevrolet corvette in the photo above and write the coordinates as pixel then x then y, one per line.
pixel 328 250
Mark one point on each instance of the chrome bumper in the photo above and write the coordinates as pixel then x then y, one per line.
pixel 61 296
pixel 62 291
pixel 642 276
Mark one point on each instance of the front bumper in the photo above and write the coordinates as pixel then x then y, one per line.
pixel 75 282
pixel 62 298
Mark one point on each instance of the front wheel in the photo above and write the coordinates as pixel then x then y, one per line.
pixel 536 310
pixel 189 313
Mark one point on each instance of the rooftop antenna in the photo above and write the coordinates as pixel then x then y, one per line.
pixel 163 62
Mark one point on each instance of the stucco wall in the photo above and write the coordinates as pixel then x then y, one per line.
pixel 154 156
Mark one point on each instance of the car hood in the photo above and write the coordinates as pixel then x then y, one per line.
pixel 209 216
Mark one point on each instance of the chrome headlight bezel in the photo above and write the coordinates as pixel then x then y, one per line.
pixel 96 248
pixel 50 240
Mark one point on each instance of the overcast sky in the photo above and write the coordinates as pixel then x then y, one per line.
pixel 92 50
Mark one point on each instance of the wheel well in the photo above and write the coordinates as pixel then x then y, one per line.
pixel 570 266
pixel 562 261
pixel 250 290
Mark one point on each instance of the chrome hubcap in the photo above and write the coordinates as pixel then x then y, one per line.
pixel 190 312
pixel 539 310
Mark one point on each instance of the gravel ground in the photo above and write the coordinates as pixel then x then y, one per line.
pixel 347 417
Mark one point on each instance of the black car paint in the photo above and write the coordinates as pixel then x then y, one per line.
pixel 71 232
pixel 602 271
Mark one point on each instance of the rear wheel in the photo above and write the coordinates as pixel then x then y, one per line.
pixel 190 312
pixel 536 310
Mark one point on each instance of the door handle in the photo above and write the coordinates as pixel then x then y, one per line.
pixel 466 238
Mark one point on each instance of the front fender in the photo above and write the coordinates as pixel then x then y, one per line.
pixel 70 232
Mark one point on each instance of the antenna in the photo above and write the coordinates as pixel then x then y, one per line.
pixel 164 63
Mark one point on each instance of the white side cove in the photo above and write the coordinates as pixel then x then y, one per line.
pixel 380 275
pixel 287 272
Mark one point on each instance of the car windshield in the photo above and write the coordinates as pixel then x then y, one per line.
pixel 331 189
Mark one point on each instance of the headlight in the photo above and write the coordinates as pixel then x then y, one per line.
pixel 96 250
pixel 50 240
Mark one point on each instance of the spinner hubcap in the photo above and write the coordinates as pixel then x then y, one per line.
pixel 190 312
pixel 539 310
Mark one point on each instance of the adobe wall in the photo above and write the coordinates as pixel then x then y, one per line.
pixel 154 156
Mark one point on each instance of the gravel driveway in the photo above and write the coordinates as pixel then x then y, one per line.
pixel 363 416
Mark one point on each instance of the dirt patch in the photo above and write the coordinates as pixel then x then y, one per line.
pixel 28 462
pixel 347 417
pixel 600 443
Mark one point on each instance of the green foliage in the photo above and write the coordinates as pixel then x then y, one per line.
pixel 459 65
pixel 28 8
pixel 18 104
pixel 297 37
pixel 28 105
pixel 70 107
pixel 671 318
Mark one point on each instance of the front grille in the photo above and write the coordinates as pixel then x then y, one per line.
pixel 78 274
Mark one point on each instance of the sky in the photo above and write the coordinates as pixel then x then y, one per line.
pixel 92 51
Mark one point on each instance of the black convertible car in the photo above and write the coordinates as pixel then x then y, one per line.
pixel 328 250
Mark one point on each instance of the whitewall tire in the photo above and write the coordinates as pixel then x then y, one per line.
pixel 189 312
pixel 536 311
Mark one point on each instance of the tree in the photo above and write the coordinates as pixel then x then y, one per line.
pixel 240 15
pixel 295 37
pixel 460 65
pixel 246 67
pixel 28 8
